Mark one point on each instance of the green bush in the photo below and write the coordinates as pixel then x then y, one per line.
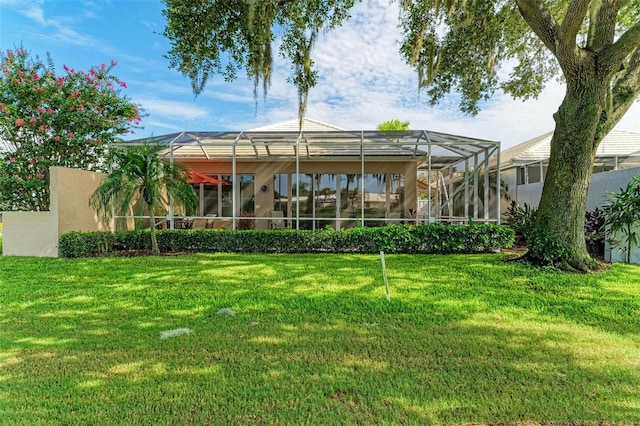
pixel 432 238
pixel 521 219
pixel 85 244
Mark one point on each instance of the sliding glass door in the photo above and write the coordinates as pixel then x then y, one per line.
pixel 340 200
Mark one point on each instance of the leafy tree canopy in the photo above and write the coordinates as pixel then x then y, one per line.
pixel 393 124
pixel 222 37
pixel 454 45
pixel 54 120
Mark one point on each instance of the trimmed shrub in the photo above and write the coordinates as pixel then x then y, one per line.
pixel 424 238
pixel 85 244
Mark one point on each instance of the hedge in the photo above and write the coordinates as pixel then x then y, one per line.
pixel 424 238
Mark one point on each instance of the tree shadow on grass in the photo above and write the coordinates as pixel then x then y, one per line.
pixel 475 342
pixel 329 372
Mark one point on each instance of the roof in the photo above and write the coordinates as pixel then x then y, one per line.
pixel 616 143
pixel 308 125
pixel 322 142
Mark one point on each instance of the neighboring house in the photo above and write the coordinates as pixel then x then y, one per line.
pixel 524 166
pixel 617 160
pixel 323 175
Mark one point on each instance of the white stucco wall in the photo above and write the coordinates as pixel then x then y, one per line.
pixel 30 234
pixel 37 233
pixel 602 184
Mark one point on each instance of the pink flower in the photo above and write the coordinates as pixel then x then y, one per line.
pixel 19 122
pixel 32 161
pixel 40 176
pixel 123 84
pixel 113 63
pixel 71 135
pixel 50 111
pixel 12 159
pixel 29 176
pixel 42 128
pixel 66 68
pixel 40 109
pixel 35 76
pixel 21 73
pixel 32 120
pixel 89 140
pixel 75 94
pixel 56 138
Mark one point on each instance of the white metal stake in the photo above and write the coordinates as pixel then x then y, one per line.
pixel 384 276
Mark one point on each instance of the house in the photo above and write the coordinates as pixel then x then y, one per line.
pixel 278 176
pixel 524 166
pixel 323 175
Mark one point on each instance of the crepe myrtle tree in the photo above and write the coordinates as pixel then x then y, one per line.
pixel 454 45
pixel 48 120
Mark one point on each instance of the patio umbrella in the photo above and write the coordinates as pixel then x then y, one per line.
pixel 197 177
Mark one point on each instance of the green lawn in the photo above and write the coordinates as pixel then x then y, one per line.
pixel 314 341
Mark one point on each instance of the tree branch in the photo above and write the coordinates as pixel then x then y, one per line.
pixel 602 23
pixel 572 22
pixel 540 20
pixel 625 91
pixel 612 56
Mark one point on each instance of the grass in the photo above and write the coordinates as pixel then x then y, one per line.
pixel 314 341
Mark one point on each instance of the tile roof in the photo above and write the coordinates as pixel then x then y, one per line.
pixel 308 125
pixel 616 143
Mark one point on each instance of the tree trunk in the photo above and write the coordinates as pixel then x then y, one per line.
pixel 155 249
pixel 558 236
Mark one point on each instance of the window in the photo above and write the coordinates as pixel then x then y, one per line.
pixel 218 199
pixel 337 200
pixel 281 193
pixel 305 200
pixel 531 173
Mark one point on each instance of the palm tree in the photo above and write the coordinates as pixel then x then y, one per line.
pixel 393 124
pixel 459 183
pixel 142 179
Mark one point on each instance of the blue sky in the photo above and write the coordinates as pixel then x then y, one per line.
pixel 363 80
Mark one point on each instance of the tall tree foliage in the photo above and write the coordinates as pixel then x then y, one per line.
pixel 223 37
pixel 54 120
pixel 143 182
pixel 456 46
pixel 393 124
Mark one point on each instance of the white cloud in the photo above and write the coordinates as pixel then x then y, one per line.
pixel 172 110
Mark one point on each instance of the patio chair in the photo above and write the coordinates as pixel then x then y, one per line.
pixel 277 221
pixel 199 223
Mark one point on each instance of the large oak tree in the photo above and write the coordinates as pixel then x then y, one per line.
pixel 455 46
